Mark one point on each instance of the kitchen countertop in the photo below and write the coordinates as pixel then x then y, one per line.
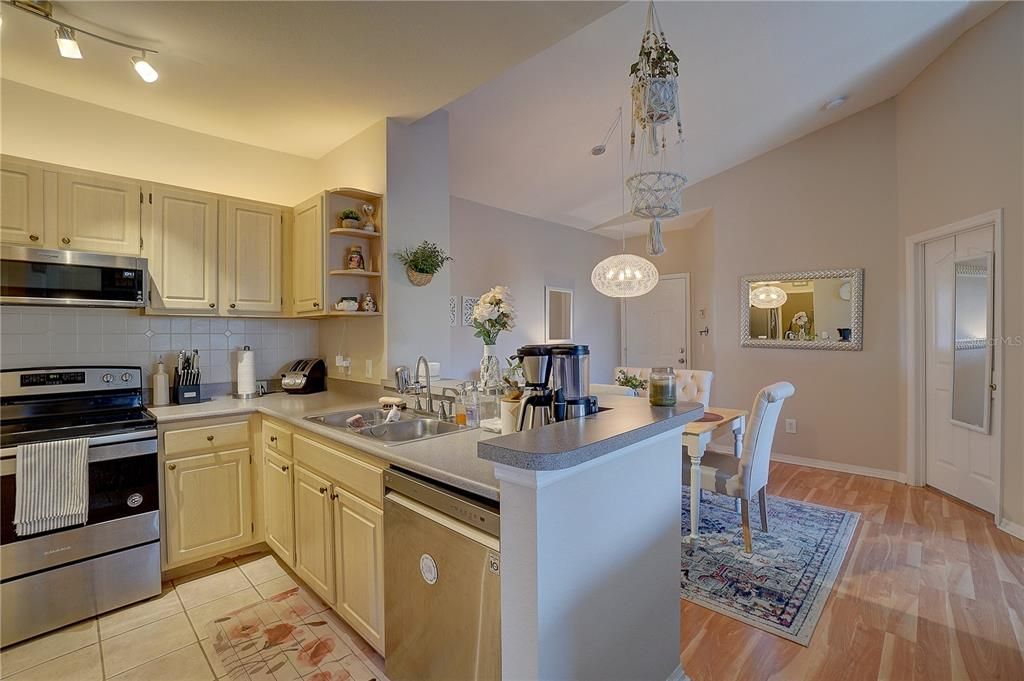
pixel 464 459
pixel 563 445
pixel 451 458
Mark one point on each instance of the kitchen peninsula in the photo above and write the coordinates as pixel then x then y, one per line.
pixel 589 521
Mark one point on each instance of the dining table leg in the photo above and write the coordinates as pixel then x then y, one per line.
pixel 695 446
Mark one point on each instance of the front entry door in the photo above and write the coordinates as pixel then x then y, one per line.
pixel 657 328
pixel 958 461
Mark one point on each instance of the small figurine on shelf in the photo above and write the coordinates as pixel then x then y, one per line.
pixel 349 219
pixel 347 304
pixel 367 303
pixel 367 209
pixel 355 258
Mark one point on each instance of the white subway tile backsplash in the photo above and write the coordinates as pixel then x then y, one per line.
pixel 58 337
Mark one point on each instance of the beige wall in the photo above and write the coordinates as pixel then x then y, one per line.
pixel 48 127
pixel 493 246
pixel 827 200
pixel 960 127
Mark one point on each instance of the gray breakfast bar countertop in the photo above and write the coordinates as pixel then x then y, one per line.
pixel 557 446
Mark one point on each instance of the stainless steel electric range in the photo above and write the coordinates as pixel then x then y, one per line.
pixel 51 579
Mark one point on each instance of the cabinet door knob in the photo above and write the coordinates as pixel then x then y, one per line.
pixel 284 469
pixel 273 438
pixel 33 237
pixel 65 241
pixel 334 497
pixel 209 438
pixel 232 306
pixel 212 305
pixel 171 466
pixel 316 304
pixel 323 490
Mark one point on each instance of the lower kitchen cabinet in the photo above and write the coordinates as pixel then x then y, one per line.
pixel 359 566
pixel 314 538
pixel 208 504
pixel 278 510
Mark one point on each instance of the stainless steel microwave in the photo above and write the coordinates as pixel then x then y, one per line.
pixel 39 276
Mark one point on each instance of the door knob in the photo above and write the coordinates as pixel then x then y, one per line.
pixel 232 306
pixel 334 497
pixel 323 490
pixel 33 237
pixel 65 241
pixel 682 360
pixel 316 304
pixel 171 466
pixel 213 305
pixel 273 438
pixel 209 438
pixel 284 469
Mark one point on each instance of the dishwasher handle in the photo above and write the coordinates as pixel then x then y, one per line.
pixel 433 515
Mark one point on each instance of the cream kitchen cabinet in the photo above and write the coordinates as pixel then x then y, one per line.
pixel 278 509
pixel 359 565
pixel 251 266
pixel 99 214
pixel 207 504
pixel 182 250
pixel 314 539
pixel 21 204
pixel 308 257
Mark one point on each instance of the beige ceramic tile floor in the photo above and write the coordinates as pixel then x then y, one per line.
pixel 162 639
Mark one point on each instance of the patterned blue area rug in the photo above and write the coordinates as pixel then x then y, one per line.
pixel 783 586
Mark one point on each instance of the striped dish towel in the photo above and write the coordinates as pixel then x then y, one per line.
pixel 52 485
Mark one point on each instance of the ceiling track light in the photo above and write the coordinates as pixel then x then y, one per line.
pixel 67 42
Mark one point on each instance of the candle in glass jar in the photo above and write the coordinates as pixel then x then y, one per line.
pixel 662 388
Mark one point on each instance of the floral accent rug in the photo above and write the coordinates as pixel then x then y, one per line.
pixel 784 584
pixel 284 638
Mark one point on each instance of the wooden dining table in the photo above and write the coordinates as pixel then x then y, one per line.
pixel 696 436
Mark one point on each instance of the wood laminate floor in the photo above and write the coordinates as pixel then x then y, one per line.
pixel 930 591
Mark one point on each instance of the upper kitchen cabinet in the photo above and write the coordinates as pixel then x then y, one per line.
pixel 251 270
pixel 99 214
pixel 21 204
pixel 182 251
pixel 335 257
pixel 308 257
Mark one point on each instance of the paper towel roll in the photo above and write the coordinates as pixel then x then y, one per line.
pixel 246 373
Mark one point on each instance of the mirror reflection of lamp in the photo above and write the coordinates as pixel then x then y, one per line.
pixel 770 298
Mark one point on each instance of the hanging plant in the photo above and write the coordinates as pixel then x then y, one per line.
pixel 654 88
pixel 423 262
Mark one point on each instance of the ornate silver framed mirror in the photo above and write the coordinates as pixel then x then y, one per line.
pixel 812 310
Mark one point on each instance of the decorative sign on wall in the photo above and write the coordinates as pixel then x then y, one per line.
pixel 468 304
pixel 453 311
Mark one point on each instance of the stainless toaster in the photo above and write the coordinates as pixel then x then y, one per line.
pixel 304 376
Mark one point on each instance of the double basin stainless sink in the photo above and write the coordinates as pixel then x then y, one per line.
pixel 412 426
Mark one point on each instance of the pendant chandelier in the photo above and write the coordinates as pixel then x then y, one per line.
pixel 768 297
pixel 623 275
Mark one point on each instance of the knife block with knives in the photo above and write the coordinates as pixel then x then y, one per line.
pixel 187 379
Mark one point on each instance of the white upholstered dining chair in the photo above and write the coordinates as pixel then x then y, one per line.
pixel 691 385
pixel 747 475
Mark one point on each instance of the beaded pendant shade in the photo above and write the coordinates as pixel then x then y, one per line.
pixel 624 276
pixel 768 297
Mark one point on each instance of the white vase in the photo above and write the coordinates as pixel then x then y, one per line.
pixel 490 369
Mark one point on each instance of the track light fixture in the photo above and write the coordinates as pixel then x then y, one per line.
pixel 67 41
pixel 67 44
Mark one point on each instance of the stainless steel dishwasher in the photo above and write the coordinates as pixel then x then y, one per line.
pixel 442 582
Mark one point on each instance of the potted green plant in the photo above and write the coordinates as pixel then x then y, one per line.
pixel 423 262
pixel 349 219
pixel 631 381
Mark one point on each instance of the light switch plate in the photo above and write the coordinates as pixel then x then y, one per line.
pixel 368 369
pixel 791 426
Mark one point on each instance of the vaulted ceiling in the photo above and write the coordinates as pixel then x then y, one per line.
pixel 753 76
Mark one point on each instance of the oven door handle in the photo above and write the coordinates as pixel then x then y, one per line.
pixel 97 454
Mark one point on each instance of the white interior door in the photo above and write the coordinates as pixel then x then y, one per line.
pixel 657 325
pixel 958 461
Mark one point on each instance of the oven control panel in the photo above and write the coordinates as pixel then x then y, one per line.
pixel 53 378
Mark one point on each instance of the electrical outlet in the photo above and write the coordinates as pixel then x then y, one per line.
pixel 339 360
pixel 791 426
pixel 368 369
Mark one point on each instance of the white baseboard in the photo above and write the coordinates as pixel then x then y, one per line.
pixel 678 675
pixel 1012 528
pixel 827 465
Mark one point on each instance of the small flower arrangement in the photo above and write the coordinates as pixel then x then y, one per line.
pixel 349 219
pixel 800 319
pixel 494 314
pixel 630 381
